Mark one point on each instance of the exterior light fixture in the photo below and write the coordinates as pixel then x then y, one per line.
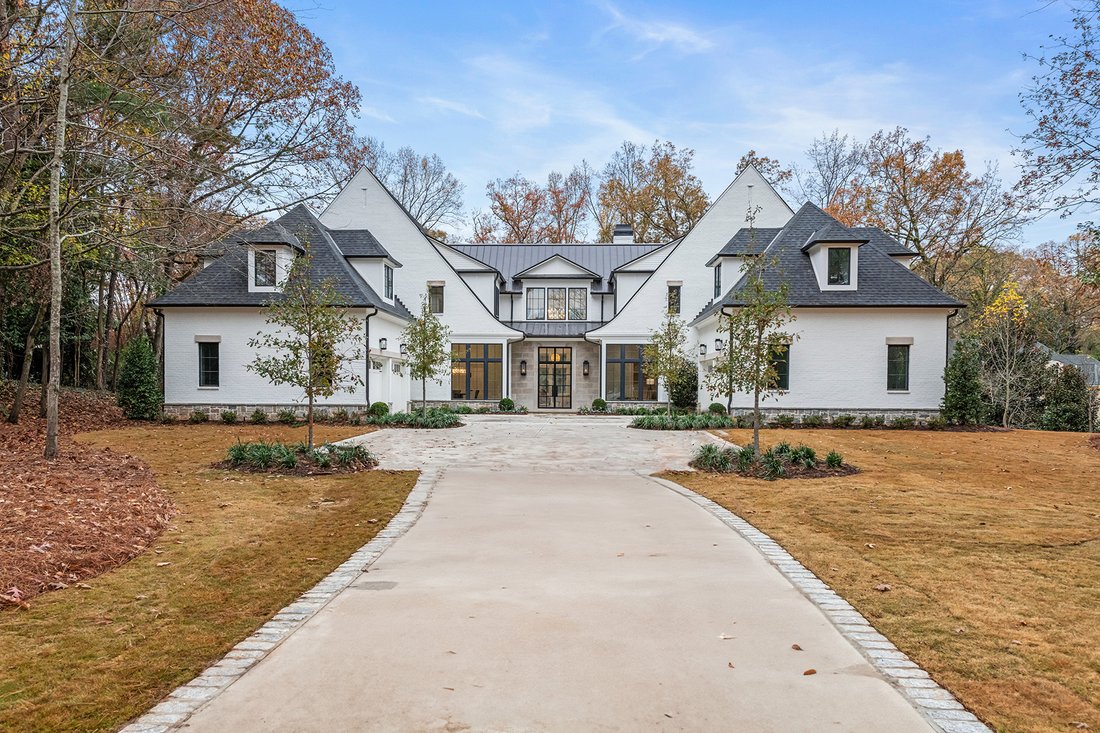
pixel 718 344
pixel 523 367
pixel 404 349
pixel 584 368
pixel 702 349
pixel 382 344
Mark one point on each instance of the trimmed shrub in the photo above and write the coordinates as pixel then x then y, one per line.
pixel 321 416
pixel 379 408
pixel 683 390
pixel 843 421
pixel 963 398
pixel 138 387
pixel 258 417
pixel 902 423
pixel 167 419
pixel 936 423
pixel 287 417
pixel 229 417
pixel 340 416
pixel 784 421
pixel 599 405
pixel 506 405
pixel 1068 401
pixel 813 421
pixel 689 421
pixel 198 416
pixel 833 460
pixel 866 421
pixel 717 408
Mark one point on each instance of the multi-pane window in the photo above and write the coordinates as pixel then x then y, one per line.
pixel 536 304
pixel 718 281
pixel 555 304
pixel 263 271
pixel 625 375
pixel 840 266
pixel 578 304
pixel 781 363
pixel 435 298
pixel 674 299
pixel 388 277
pixel 208 364
pixel 476 371
pixel 897 367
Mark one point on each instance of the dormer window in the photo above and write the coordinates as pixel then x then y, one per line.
pixel 263 273
pixel 840 266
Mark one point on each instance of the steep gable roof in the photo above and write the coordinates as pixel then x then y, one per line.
pixel 882 281
pixel 225 281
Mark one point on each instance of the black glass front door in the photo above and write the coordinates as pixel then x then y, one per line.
pixel 555 377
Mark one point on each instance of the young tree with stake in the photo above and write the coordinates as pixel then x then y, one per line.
pixel 315 340
pixel 426 340
pixel 664 354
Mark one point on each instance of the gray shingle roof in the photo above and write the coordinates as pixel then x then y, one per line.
pixel 1089 367
pixel 881 282
pixel 747 242
pixel 225 281
pixel 554 329
pixel 601 259
pixel 358 243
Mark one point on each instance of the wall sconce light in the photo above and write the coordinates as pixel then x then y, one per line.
pixel 718 344
pixel 404 349
pixel 382 344
pixel 584 368
pixel 523 367
pixel 702 349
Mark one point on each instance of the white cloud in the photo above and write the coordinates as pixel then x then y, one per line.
pixel 376 114
pixel 452 106
pixel 654 33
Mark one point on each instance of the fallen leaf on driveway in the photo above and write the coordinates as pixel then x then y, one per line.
pixel 796 647
pixel 809 672
pixel 724 637
pixel 730 665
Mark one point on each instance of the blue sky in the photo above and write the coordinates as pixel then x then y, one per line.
pixel 496 88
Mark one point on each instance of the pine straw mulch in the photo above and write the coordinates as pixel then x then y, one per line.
pixel 88 511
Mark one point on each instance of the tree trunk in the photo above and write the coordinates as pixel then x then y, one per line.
pixel 60 128
pixel 42 393
pixel 309 420
pixel 105 327
pixel 756 421
pixel 28 357
pixel 423 395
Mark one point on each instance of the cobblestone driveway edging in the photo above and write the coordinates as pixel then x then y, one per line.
pixel 936 704
pixel 182 702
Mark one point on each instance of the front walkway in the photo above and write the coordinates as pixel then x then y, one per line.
pixel 550 587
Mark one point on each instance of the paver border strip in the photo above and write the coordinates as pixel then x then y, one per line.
pixel 938 706
pixel 185 700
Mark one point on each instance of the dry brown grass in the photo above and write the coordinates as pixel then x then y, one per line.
pixel 990 541
pixel 241 547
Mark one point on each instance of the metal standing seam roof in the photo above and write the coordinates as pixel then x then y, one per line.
pixel 881 282
pixel 225 281
pixel 511 259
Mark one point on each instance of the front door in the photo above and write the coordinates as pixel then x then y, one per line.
pixel 555 377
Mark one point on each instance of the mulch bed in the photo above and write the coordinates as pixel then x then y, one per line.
pixel 68 520
pixel 302 469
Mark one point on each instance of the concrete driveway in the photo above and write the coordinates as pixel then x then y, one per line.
pixel 549 586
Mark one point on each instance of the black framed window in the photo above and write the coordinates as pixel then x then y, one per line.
pixel 435 298
pixel 578 304
pixel 897 367
pixel 674 299
pixel 477 371
pixel 781 362
pixel 388 275
pixel 555 304
pixel 625 375
pixel 840 266
pixel 209 369
pixel 718 281
pixel 536 304
pixel 263 271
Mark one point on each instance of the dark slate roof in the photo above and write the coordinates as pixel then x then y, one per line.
pixel 881 282
pixel 601 259
pixel 225 281
pixel 747 242
pixel 1089 367
pixel 358 243
pixel 883 241
pixel 275 232
pixel 835 233
pixel 554 329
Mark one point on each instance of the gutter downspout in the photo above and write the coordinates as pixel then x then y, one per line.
pixel 366 335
